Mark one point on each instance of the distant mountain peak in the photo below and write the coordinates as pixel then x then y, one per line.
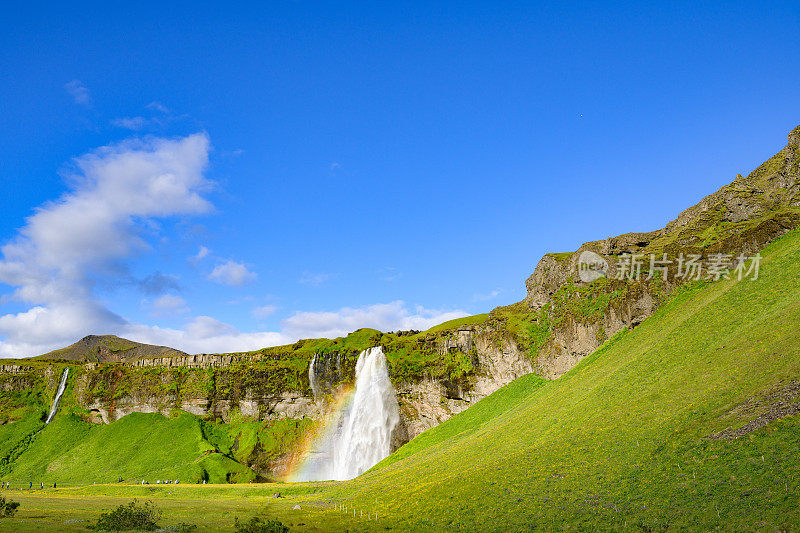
pixel 110 348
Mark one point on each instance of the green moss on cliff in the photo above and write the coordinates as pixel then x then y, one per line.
pixel 256 444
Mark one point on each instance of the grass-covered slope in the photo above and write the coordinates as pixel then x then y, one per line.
pixel 622 441
pixel 151 446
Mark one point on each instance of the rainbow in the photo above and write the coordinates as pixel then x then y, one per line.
pixel 318 440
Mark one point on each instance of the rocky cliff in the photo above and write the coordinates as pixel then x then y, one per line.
pixel 435 374
pixel 737 220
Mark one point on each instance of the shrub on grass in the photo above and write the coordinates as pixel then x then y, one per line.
pixel 131 516
pixel 256 525
pixel 7 507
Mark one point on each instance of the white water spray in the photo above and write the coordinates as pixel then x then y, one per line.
pixel 360 435
pixel 59 392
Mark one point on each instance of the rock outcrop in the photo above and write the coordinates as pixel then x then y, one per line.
pixel 498 360
pixel 737 220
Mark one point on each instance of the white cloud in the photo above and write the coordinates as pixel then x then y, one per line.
pixel 79 93
pixel 202 253
pixel 232 274
pixel 315 280
pixel 204 334
pixel 264 311
pixel 42 329
pixel 385 317
pixel 84 238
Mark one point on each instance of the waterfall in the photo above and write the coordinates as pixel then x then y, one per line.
pixel 59 392
pixel 325 374
pixel 359 433
pixel 312 377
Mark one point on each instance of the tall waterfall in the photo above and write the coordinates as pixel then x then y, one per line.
pixel 359 433
pixel 59 392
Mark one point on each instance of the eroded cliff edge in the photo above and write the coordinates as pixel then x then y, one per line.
pixel 737 220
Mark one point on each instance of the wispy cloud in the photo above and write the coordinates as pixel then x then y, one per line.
pixel 389 274
pixel 168 305
pixel 264 311
pixel 132 123
pixel 79 92
pixel 315 279
pixel 159 117
pixel 201 254
pixel 482 297
pixel 232 274
pixel 157 106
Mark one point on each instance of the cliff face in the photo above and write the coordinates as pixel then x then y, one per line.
pixel 216 386
pixel 498 359
pixel 251 385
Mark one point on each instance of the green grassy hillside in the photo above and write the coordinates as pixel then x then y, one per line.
pixel 150 446
pixel 622 441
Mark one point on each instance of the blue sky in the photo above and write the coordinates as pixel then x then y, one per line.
pixel 222 178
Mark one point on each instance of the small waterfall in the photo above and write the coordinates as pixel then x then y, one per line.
pixel 359 434
pixel 59 392
pixel 312 377
pixel 325 374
